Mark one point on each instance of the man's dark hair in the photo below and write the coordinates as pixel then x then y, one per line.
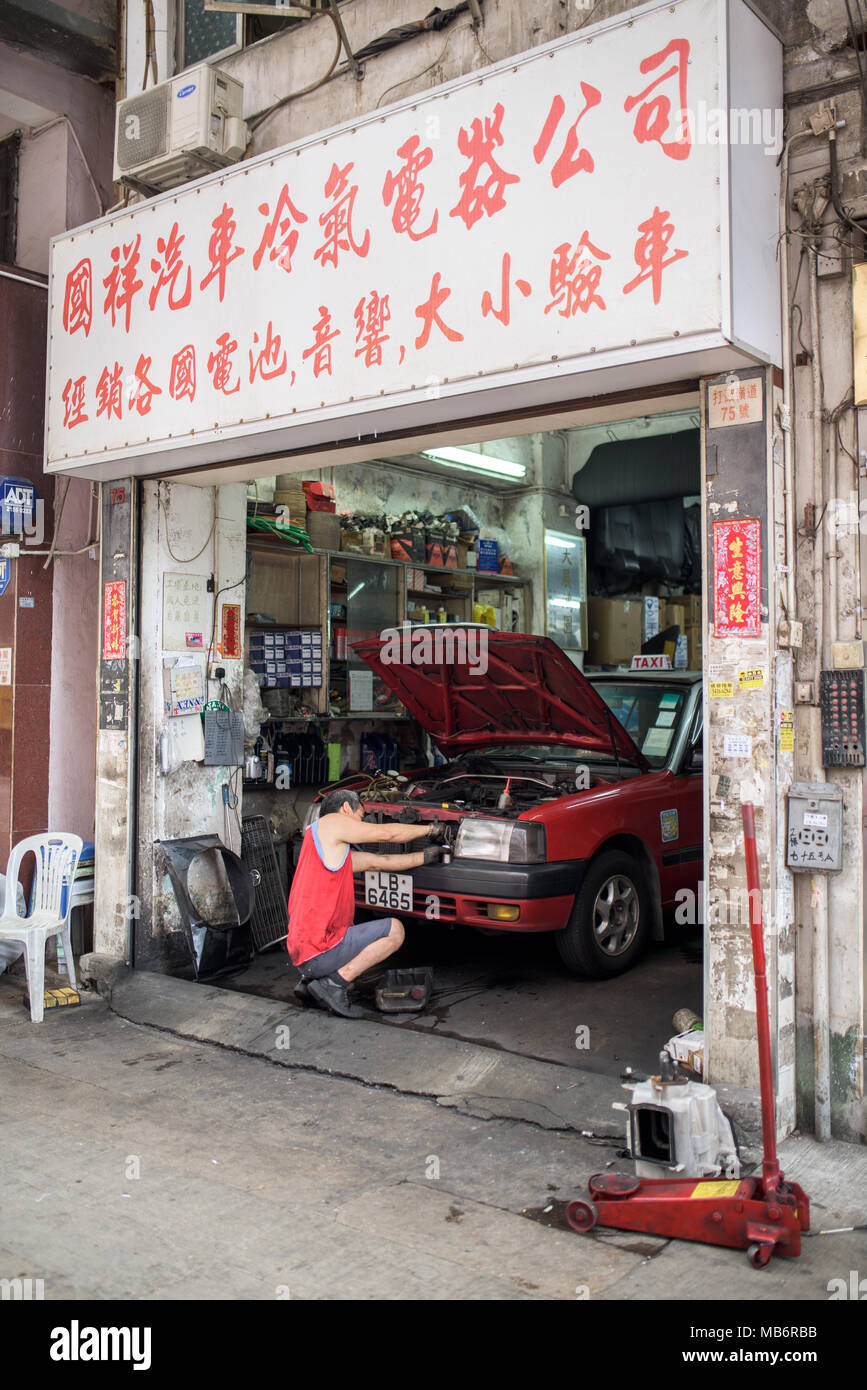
pixel 334 800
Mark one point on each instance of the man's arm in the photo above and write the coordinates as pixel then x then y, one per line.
pixel 344 830
pixel 392 862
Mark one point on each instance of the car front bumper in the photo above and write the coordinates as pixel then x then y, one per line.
pixel 460 892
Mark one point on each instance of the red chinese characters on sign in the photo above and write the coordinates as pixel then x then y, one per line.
pixel 574 277
pixel 182 377
pixel 409 190
pixel 143 389
pixel 734 403
pixel 478 145
pixel 651 252
pixel 285 212
pixel 371 316
pixel 221 249
pixel 504 312
pixel 168 265
pixel 73 403
pixel 268 362
pixel 114 620
pixel 230 645
pixel 336 221
pixel 737 559
pixel 430 315
pixel 572 160
pixel 320 348
pixel 653 119
pixel 109 392
pixel 120 283
pixel 78 299
pixel 220 365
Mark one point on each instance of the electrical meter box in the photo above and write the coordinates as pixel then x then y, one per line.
pixel 814 843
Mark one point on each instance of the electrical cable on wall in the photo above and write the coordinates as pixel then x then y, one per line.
pixel 190 558
pixel 256 121
pixel 150 44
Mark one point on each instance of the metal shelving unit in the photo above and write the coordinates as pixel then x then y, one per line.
pixel 305 601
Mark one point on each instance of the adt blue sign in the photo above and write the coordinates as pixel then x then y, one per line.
pixel 18 498
pixel 5 574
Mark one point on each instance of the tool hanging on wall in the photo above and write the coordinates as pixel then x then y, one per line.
pixel 763 1215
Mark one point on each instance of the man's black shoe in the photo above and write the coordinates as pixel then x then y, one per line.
pixel 334 997
pixel 302 991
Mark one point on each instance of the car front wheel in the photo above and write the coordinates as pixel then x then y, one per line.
pixel 610 920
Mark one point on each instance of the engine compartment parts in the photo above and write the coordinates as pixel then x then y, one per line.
pixel 678 1125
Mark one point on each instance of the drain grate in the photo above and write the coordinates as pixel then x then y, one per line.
pixel 270 920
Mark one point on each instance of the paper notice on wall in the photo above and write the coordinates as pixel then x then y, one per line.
pixel 5 665
pixel 737 746
pixel 360 690
pixel 187 742
pixel 787 731
pixel 184 609
pixel 720 690
pixel 753 678
pixel 183 687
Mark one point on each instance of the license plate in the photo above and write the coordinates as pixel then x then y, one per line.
pixel 393 891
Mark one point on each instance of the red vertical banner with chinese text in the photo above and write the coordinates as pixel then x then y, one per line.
pixel 737 558
pixel 114 620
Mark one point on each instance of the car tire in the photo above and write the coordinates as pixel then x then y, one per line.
pixel 591 946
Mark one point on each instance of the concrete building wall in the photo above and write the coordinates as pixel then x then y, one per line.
pixel 74 662
pixel 176 523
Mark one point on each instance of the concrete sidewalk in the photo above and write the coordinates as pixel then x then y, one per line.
pixel 470 1077
pixel 141 1162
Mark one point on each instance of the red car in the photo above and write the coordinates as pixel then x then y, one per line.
pixel 572 805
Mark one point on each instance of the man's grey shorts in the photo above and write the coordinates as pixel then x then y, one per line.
pixel 359 935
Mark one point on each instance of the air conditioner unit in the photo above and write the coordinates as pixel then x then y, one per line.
pixel 179 130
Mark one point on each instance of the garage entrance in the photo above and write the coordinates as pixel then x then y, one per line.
pixel 588 537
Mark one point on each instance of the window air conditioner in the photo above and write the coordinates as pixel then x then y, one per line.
pixel 179 130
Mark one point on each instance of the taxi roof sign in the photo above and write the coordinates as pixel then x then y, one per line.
pixel 659 662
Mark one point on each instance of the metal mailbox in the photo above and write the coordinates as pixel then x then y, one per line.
pixel 814 841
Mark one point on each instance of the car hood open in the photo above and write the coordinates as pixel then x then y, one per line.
pixel 472 687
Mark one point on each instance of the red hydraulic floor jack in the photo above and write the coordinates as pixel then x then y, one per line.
pixel 763 1215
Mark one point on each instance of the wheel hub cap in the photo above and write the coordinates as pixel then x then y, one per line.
pixel 615 915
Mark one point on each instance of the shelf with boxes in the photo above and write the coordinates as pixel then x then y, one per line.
pixel 284 657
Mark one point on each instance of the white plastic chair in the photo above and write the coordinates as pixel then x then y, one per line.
pixel 56 858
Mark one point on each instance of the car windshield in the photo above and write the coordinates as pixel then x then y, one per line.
pixel 648 711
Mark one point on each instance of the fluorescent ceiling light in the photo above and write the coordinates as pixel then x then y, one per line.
pixel 476 463
pixel 566 603
pixel 357 590
pixel 558 540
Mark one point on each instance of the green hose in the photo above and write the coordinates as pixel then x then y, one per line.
pixel 285 533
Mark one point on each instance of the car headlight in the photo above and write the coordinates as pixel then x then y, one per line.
pixel 511 842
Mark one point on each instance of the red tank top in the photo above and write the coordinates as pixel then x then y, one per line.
pixel 321 901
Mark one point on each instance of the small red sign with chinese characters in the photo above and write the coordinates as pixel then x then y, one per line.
pixel 737 558
pixel 735 403
pixel 231 638
pixel 114 620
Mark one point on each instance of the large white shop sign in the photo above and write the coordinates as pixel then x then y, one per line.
pixel 528 235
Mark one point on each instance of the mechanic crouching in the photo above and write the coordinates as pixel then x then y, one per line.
pixel 326 945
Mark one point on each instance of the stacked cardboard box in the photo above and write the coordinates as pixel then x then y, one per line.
pixel 614 630
pixel 617 628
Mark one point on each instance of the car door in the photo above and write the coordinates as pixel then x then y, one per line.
pixel 682 822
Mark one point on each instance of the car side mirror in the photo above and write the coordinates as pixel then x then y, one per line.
pixel 694 760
